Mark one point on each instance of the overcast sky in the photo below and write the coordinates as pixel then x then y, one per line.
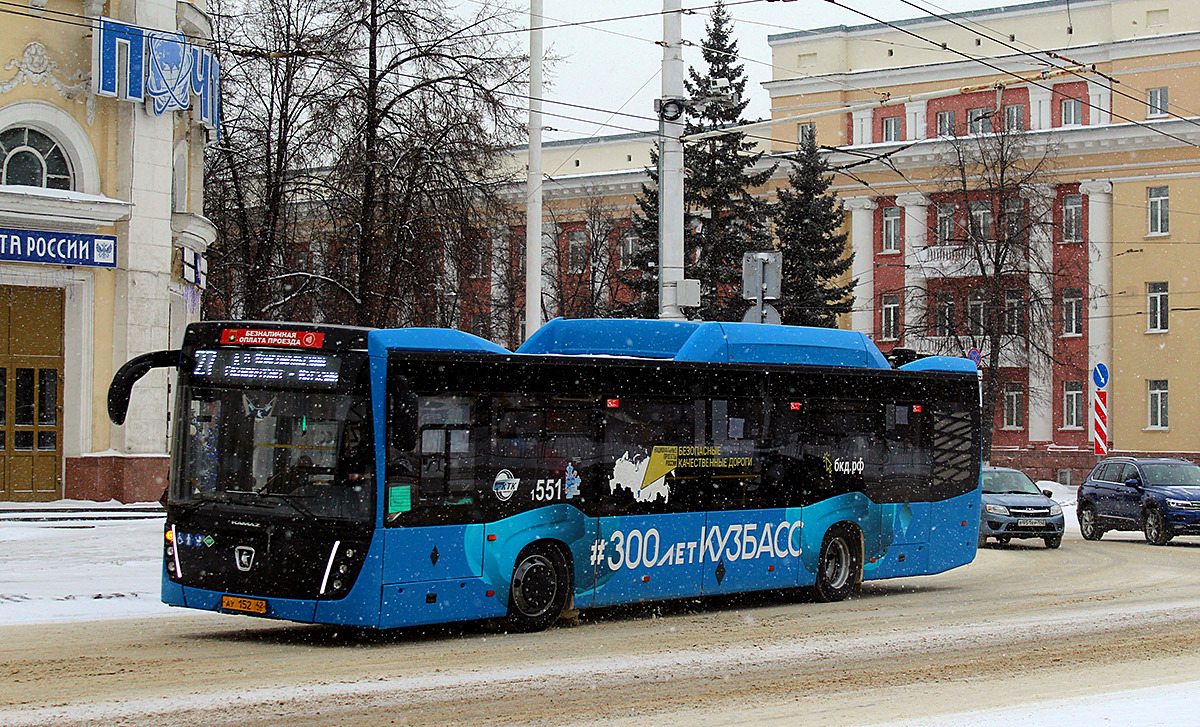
pixel 615 65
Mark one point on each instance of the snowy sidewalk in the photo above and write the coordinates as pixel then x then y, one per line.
pixel 78 561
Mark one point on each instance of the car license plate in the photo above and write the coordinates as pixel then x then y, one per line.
pixel 1030 522
pixel 249 605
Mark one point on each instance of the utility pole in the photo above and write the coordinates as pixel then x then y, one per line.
pixel 533 179
pixel 670 110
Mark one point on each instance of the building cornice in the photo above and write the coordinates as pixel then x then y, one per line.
pixel 969 69
pixel 194 231
pixel 55 210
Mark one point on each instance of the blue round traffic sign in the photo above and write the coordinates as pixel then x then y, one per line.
pixel 1100 375
pixel 974 355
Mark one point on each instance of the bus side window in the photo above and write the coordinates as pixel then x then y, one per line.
pixel 909 467
pixel 735 482
pixel 632 432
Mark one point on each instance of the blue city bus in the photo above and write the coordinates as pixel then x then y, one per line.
pixel 387 478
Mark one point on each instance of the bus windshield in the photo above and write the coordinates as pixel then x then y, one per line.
pixel 306 453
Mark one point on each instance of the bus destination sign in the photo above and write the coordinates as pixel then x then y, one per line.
pixel 260 337
pixel 267 366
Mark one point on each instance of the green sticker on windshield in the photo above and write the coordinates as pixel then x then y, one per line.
pixel 399 499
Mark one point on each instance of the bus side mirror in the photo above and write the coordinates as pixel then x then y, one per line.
pixel 135 368
pixel 402 420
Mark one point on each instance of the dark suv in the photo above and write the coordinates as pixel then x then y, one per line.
pixel 1160 497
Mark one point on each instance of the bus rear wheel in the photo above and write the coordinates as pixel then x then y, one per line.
pixel 540 588
pixel 838 566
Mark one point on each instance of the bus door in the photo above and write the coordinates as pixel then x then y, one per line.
pixel 650 536
pixel 433 495
pixel 751 539
pixel 544 467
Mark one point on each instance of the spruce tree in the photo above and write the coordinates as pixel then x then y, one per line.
pixel 807 222
pixel 722 219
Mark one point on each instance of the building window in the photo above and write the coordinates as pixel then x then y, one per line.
pixel 483 258
pixel 976 314
pixel 891 316
pixel 1073 405
pixel 979 121
pixel 1072 218
pixel 892 129
pixel 891 229
pixel 1014 118
pixel 1156 102
pixel 1159 206
pixel 945 224
pixel 1072 302
pixel 577 250
pixel 1157 312
pixel 1072 112
pixel 1014 220
pixel 628 249
pixel 943 324
pixel 1157 396
pixel 1014 405
pixel 32 159
pixel 1014 312
pixel 945 123
pixel 981 221
pixel 806 133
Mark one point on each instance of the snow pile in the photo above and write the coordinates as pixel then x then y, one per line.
pixel 79 570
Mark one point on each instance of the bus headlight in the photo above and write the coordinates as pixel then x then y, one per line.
pixel 998 510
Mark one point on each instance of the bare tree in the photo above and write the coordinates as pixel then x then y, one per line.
pixel 418 127
pixel 363 153
pixel 990 246
pixel 254 186
pixel 588 270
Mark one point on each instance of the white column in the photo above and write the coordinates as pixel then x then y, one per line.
pixel 916 235
pixel 1100 97
pixel 1041 330
pixel 862 120
pixel 915 119
pixel 862 243
pixel 1099 294
pixel 1039 107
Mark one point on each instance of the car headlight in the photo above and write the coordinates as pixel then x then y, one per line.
pixel 1055 509
pixel 998 510
pixel 1178 503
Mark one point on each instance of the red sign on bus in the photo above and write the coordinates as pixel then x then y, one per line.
pixel 260 337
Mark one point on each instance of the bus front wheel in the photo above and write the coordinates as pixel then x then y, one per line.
pixel 838 566
pixel 540 588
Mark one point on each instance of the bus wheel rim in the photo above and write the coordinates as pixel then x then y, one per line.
pixel 837 564
pixel 534 586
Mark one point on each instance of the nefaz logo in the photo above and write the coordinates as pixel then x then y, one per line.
pixel 505 485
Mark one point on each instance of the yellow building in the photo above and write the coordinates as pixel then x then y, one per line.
pixel 1114 108
pixel 104 112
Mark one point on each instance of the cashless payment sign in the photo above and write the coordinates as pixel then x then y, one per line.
pixel 260 337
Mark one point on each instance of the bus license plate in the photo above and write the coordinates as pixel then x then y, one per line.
pixel 249 605
pixel 1030 523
